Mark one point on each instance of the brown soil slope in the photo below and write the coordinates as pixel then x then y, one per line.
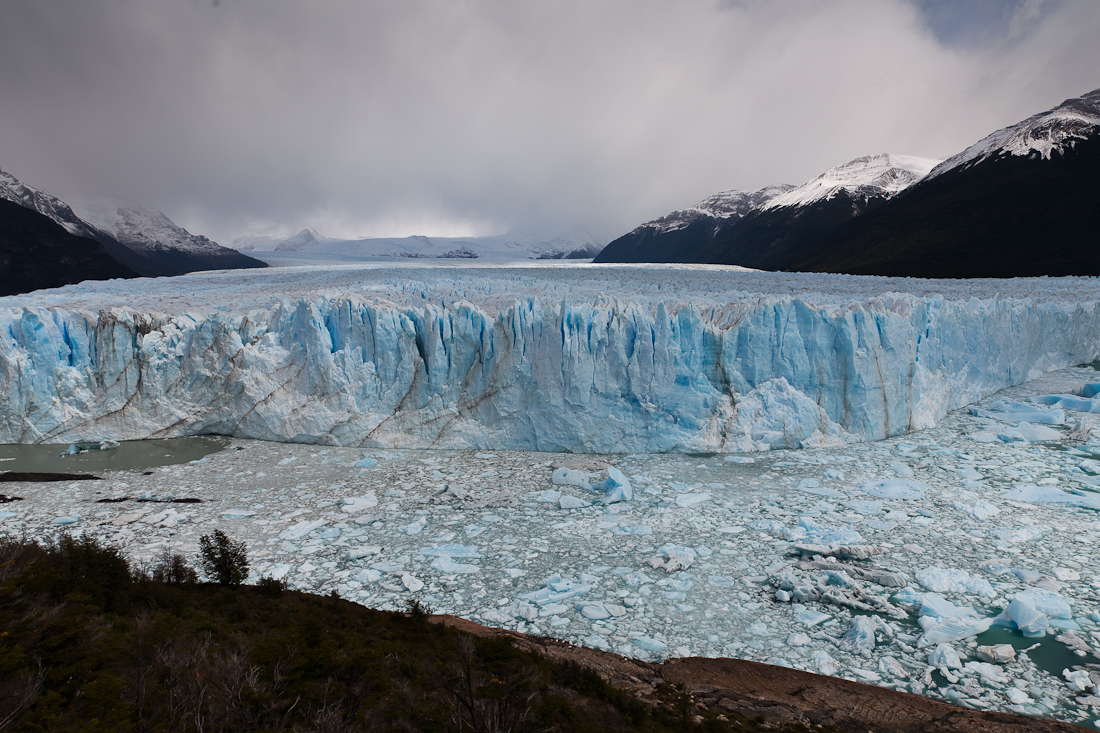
pixel 778 694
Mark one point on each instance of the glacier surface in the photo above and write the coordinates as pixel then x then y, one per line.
pixel 584 358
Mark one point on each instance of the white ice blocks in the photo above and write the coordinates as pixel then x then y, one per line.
pixel 675 370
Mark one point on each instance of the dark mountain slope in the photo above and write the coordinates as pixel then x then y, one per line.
pixel 649 244
pixel 771 239
pixel 36 252
pixel 679 236
pixel 1003 216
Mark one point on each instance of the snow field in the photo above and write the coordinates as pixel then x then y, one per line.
pixel 580 359
pixel 910 562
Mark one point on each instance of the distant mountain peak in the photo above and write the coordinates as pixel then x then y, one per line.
pixel 1045 133
pixel 722 205
pixel 871 176
pixel 304 239
pixel 144 230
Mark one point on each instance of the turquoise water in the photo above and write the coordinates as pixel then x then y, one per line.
pixel 1051 656
pixel 131 455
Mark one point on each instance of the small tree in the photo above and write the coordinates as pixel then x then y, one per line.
pixel 172 568
pixel 223 559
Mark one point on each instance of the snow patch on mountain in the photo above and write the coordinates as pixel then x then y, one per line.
pixel 722 205
pixel 144 230
pixel 872 176
pixel 1045 133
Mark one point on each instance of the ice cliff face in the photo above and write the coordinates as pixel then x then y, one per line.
pixel 600 376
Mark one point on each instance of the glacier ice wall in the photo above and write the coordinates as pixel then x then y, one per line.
pixel 607 376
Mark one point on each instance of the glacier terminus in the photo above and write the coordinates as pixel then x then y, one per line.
pixel 582 359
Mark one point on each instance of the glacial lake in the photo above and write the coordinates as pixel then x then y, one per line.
pixel 130 455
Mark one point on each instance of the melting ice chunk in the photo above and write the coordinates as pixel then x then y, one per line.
pixel 950 580
pixel 616 487
pixel 980 509
pixel 556 590
pixel 861 635
pixel 1052 604
pixel 944 656
pixel 466 551
pixel 952 629
pixel 933 604
pixel 895 488
pixel 1052 495
pixel 447 566
pixel 687 500
pixel 301 529
pixel 572 502
pixel 570 477
pixel 354 504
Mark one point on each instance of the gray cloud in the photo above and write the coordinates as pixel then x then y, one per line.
pixel 377 118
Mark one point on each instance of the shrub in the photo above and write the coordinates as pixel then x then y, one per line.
pixel 223 560
pixel 270 586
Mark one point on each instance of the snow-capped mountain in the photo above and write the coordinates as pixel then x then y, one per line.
pixel 302 240
pixel 1047 133
pixel 722 205
pixel 14 190
pixel 873 176
pixel 1020 202
pixel 144 240
pixel 310 248
pixel 762 229
pixel 147 231
pixel 793 225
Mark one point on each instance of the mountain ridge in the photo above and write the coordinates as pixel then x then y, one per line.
pixel 1019 202
pixel 143 240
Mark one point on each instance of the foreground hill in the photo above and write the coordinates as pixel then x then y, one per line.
pixel 88 643
pixel 37 252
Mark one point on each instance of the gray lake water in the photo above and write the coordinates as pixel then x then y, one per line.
pixel 130 455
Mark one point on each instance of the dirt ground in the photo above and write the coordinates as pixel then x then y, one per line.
pixel 778 694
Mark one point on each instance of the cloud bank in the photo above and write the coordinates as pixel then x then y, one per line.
pixel 422 117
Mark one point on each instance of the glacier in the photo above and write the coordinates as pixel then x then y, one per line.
pixel 605 359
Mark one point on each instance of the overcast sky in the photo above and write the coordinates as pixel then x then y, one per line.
pixel 406 117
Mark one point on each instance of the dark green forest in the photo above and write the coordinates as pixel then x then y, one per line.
pixel 90 642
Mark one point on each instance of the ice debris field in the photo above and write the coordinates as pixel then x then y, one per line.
pixel 957 562
pixel 580 359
